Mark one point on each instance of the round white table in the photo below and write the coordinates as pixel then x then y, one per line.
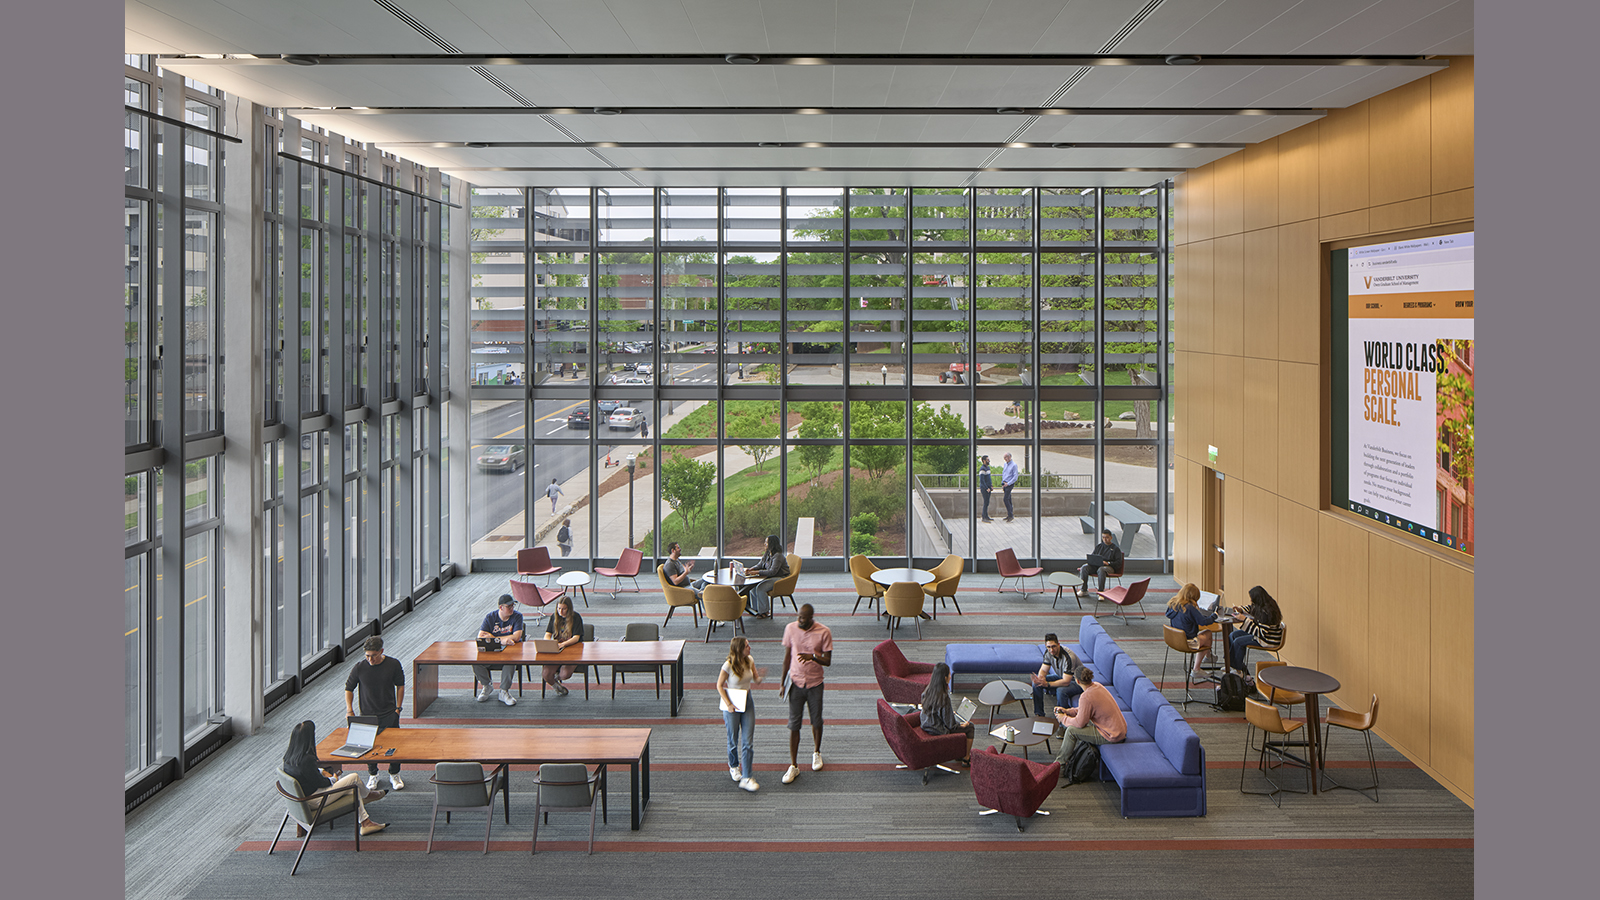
pixel 1063 580
pixel 579 580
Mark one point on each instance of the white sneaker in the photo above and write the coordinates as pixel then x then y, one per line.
pixel 487 695
pixel 733 773
pixel 394 781
pixel 507 699
pixel 816 762
pixel 749 784
pixel 372 782
pixel 791 775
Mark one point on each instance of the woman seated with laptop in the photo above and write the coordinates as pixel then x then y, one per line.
pixel 937 715
pixel 300 763
pixel 1262 626
pixel 1184 613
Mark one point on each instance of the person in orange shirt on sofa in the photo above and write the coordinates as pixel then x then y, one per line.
pixel 1096 718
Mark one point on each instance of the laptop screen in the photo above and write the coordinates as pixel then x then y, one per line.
pixel 966 709
pixel 362 733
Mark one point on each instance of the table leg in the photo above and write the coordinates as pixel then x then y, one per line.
pixel 603 795
pixel 584 593
pixel 646 774
pixel 425 687
pixel 1227 646
pixel 1312 717
pixel 633 791
pixel 505 792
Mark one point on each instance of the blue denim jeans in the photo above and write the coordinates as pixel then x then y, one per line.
pixel 741 738
pixel 759 602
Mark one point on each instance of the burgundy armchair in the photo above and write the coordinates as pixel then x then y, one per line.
pixel 535 561
pixel 627 567
pixel 1006 560
pixel 915 748
pixel 1011 784
pixel 901 680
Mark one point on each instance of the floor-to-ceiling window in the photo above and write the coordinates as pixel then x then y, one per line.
pixel 711 366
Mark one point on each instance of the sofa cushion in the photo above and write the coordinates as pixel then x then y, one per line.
pixel 1105 662
pixel 1178 741
pixel 1003 659
pixel 1147 705
pixel 1122 680
pixel 1141 765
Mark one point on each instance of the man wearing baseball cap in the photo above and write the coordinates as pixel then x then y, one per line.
pixel 505 624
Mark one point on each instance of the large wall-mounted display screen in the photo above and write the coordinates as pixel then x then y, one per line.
pixel 1403 360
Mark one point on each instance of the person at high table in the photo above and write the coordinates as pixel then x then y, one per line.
pixel 1262 626
pixel 1196 624
pixel 566 627
pixel 503 624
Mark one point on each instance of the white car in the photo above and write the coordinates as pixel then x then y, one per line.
pixel 625 418
pixel 644 369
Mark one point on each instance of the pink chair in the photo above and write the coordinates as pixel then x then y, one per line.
pixel 627 567
pixel 1012 785
pixel 901 680
pixel 916 749
pixel 535 561
pixel 1010 569
pixel 533 597
pixel 1125 596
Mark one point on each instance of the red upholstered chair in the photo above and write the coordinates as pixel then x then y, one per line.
pixel 627 567
pixel 533 597
pixel 1125 596
pixel 535 561
pixel 1009 568
pixel 901 680
pixel 915 748
pixel 1011 784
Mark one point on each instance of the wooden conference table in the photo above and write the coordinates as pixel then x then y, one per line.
pixel 425 667
pixel 514 746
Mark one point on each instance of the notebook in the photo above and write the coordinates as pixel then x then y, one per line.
pixel 363 733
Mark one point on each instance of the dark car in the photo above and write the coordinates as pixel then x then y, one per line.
pixel 578 418
pixel 502 458
pixel 607 407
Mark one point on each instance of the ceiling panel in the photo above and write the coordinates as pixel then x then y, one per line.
pixel 742 26
pixel 863 27
pixel 940 26
pixel 486 26
pixel 586 27
pixel 654 26
pixel 1086 25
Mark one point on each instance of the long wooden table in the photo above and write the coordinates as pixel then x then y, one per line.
pixel 425 667
pixel 515 746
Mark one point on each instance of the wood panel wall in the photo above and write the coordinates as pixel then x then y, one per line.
pixel 1382 613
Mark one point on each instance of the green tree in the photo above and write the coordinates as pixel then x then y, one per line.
pixel 819 421
pixel 686 485
pixel 1457 402
pixel 758 421
pixel 927 422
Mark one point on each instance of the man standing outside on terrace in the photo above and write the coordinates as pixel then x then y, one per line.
pixel 807 648
pixel 1008 480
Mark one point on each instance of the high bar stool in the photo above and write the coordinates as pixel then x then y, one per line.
pixel 1363 723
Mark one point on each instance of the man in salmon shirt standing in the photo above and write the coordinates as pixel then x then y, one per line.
pixel 807 647
pixel 1096 719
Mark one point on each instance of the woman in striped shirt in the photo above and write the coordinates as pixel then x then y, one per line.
pixel 1262 626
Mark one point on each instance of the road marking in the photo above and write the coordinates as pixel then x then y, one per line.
pixel 554 430
pixel 517 413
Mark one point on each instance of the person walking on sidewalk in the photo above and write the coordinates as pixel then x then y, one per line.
pixel 382 683
pixel 564 537
pixel 807 649
pixel 985 485
pixel 1008 480
pixel 553 491
pixel 739 673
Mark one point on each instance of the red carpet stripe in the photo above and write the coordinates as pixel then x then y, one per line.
pixel 921 846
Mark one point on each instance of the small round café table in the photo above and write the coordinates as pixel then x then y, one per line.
pixel 1311 683
pixel 998 693
pixel 579 580
pixel 1025 737
pixel 1062 581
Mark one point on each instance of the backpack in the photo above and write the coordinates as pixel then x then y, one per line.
pixel 1231 692
pixel 1083 765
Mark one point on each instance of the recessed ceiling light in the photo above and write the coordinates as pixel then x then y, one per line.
pixel 607 111
pixel 1010 111
pixel 1182 60
pixel 1063 146
pixel 742 59
pixel 297 60
pixel 1183 145
pixel 477 145
pixel 813 144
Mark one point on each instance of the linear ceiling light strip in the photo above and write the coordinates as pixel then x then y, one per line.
pixel 1024 60
pixel 1100 169
pixel 819 145
pixel 1121 111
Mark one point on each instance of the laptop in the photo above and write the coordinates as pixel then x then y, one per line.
pixel 965 710
pixel 1044 727
pixel 363 733
pixel 1208 601
pixel 546 645
pixel 738 573
pixel 1095 562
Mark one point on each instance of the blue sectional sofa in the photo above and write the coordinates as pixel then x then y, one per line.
pixel 1160 766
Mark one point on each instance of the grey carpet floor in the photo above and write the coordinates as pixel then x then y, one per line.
pixel 860 826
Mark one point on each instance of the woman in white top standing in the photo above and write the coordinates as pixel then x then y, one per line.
pixel 739 674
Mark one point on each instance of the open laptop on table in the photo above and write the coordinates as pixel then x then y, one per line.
pixel 546 645
pixel 362 735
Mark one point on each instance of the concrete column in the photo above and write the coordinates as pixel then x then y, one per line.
pixel 243 609
pixel 460 372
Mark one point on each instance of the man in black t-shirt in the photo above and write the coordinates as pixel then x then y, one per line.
pixel 382 683
pixel 1110 559
pixel 677 571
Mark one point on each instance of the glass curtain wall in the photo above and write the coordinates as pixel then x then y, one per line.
pixel 712 366
pixel 172 501
pixel 355 391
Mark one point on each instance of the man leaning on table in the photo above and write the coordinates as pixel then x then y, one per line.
pixel 382 683
pixel 1096 719
pixel 504 623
